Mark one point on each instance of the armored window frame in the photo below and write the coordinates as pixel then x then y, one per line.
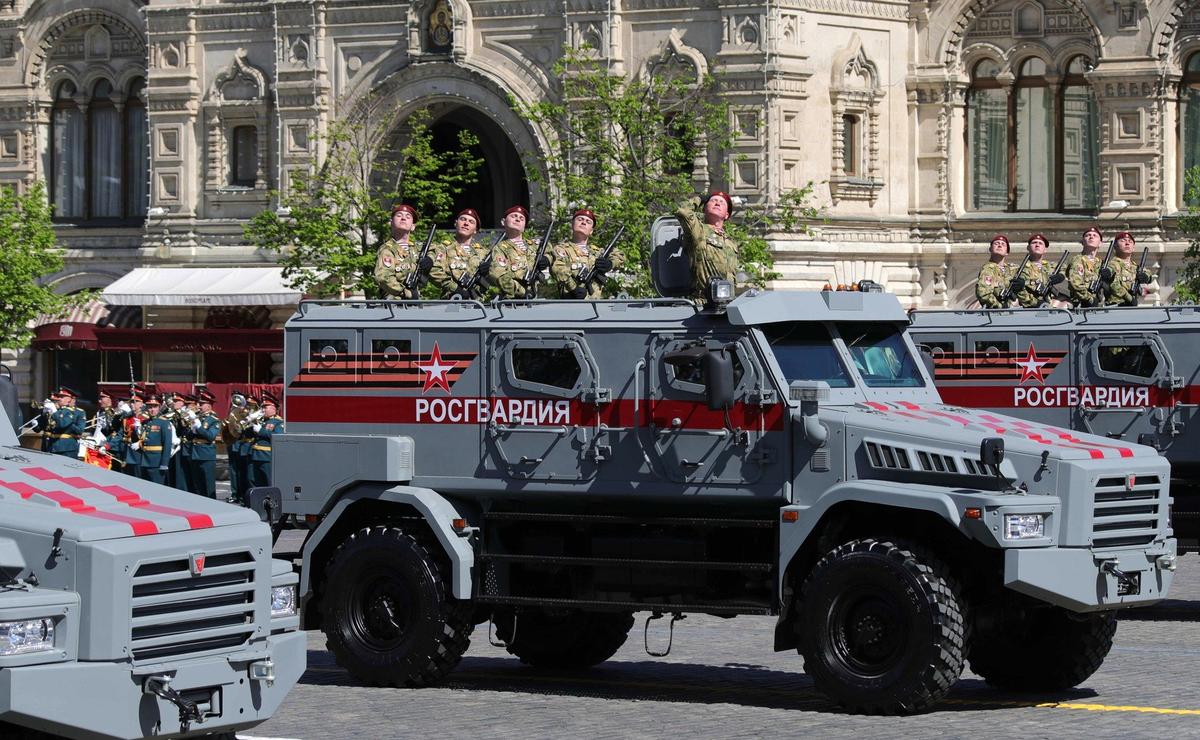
pixel 402 355
pixel 571 344
pixel 1098 357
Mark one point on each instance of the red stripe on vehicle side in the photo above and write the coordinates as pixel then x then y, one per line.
pixel 125 496
pixel 78 506
pixel 1061 434
pixel 1093 451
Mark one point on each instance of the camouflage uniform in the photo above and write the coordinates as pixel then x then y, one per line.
pixel 712 253
pixel 512 263
pixel 1122 290
pixel 1082 270
pixel 992 282
pixel 453 262
pixel 569 259
pixel 1037 277
pixel 394 264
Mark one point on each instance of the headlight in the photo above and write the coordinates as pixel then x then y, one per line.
pixel 1024 526
pixel 28 636
pixel 283 601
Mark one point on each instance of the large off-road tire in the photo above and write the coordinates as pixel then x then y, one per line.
pixel 1057 649
pixel 386 612
pixel 881 627
pixel 568 639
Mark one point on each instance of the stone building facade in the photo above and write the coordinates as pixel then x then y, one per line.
pixel 926 125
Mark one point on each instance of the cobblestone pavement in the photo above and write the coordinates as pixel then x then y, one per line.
pixel 722 680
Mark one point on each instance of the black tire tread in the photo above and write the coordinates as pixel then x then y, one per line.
pixel 1069 650
pixel 573 641
pixel 946 602
pixel 421 667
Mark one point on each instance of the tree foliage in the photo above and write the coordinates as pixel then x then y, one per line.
pixel 1187 284
pixel 628 149
pixel 28 253
pixel 333 217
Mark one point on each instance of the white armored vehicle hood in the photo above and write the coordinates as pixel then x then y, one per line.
pixel 41 492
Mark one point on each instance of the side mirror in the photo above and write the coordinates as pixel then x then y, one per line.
pixel 991 451
pixel 718 378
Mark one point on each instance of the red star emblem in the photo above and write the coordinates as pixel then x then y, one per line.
pixel 436 370
pixel 1031 366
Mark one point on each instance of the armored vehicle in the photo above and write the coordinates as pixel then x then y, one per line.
pixel 1129 374
pixel 556 466
pixel 129 609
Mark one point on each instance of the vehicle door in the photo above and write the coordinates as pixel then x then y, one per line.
pixel 694 444
pixel 1125 379
pixel 542 386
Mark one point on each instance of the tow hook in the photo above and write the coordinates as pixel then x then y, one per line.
pixel 263 670
pixel 676 617
pixel 160 686
pixel 1127 583
pixel 1165 562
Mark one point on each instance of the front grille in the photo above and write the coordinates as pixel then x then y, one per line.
pixel 1125 515
pixel 175 613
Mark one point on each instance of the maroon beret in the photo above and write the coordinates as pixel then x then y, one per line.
pixel 1092 228
pixel 468 212
pixel 1125 235
pixel 517 209
pixel 728 200
pixel 1038 236
pixel 1000 237
pixel 584 212
pixel 404 207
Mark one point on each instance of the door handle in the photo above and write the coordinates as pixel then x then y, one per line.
pixel 690 465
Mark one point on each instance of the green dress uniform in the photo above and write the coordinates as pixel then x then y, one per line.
pixel 242 448
pixel 260 450
pixel 204 454
pixel 156 439
pixel 1123 289
pixel 132 434
pixel 394 263
pixel 1036 276
pixel 712 253
pixel 1082 270
pixel 64 429
pixel 454 263
pixel 570 259
pixel 114 440
pixel 992 283
pixel 510 265
pixel 180 468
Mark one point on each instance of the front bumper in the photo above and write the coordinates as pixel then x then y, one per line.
pixel 106 700
pixel 1079 579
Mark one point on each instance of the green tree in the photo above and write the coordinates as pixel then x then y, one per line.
pixel 27 254
pixel 333 218
pixel 628 147
pixel 1187 284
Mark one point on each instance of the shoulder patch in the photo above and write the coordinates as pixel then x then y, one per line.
pixel 387 259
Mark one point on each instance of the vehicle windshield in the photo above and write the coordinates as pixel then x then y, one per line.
pixel 880 355
pixel 805 351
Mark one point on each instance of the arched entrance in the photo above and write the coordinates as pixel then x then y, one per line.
pixel 460 98
pixel 502 181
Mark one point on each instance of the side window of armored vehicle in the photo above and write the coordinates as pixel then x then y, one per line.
pixel 941 356
pixel 328 355
pixel 992 352
pixel 552 369
pixel 805 351
pixel 1133 360
pixel 390 355
pixel 687 375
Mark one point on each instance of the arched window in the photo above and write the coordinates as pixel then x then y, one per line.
pixel 137 151
pixel 1079 140
pixel 1028 148
pixel 987 139
pixel 1190 115
pixel 67 163
pixel 99 164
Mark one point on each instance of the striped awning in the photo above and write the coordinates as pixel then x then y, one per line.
pixel 94 312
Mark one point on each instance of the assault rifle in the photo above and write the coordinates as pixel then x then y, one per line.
pixel 533 276
pixel 1044 294
pixel 469 286
pixel 588 274
pixel 1135 284
pixel 413 280
pixel 1097 286
pixel 1009 290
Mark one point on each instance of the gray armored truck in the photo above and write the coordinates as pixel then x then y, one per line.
pixel 131 610
pixel 556 466
pixel 1129 374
